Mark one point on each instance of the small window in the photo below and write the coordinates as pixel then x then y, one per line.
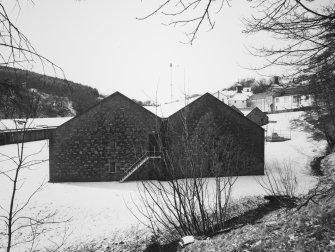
pixel 277 99
pixel 111 167
pixel 295 99
pixel 235 101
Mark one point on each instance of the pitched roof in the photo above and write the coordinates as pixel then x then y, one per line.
pixel 239 97
pixel 105 100
pixel 166 109
pixel 236 109
pixel 295 90
pixel 263 95
pixel 218 102
pixel 255 111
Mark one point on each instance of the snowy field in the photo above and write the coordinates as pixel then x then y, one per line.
pixel 100 210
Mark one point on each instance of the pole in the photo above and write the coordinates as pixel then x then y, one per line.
pixel 171 81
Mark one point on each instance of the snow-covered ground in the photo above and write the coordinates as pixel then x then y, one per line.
pixel 99 210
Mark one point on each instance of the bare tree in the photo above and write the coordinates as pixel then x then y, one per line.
pixel 280 182
pixel 17 51
pixel 189 202
pixel 304 43
pixel 191 13
pixel 19 225
pixel 299 25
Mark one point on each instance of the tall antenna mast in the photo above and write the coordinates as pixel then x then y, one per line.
pixel 171 81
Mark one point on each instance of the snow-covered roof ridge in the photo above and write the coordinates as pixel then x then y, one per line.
pixel 239 97
pixel 165 110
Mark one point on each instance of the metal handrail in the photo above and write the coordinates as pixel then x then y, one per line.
pixel 139 160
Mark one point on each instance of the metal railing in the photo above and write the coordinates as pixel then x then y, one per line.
pixel 139 162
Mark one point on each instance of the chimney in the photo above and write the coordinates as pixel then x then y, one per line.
pixel 276 80
pixel 239 88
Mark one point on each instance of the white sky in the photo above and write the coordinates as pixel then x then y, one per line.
pixel 100 43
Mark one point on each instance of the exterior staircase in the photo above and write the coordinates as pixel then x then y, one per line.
pixel 139 162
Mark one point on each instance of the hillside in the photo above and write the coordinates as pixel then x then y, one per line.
pixel 50 96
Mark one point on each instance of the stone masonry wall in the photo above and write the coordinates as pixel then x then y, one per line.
pixel 258 117
pixel 247 135
pixel 101 143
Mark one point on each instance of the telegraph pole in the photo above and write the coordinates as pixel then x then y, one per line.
pixel 171 81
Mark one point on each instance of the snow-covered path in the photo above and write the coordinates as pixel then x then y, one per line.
pixel 100 209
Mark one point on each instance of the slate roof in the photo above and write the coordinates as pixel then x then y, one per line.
pixel 166 109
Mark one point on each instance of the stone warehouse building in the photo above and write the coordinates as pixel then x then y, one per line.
pixel 258 116
pixel 119 140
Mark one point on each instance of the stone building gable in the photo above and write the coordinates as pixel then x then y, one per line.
pixel 248 137
pixel 259 117
pixel 111 136
pixel 99 144
pixel 236 109
pixel 208 102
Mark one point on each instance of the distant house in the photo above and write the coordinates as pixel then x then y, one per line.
pixel 263 101
pixel 247 91
pixel 282 98
pixel 258 117
pixel 239 99
pixel 119 140
pixel 223 95
pixel 293 98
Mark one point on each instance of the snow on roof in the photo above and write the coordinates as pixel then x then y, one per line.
pixel 239 97
pixel 32 123
pixel 228 92
pixel 166 109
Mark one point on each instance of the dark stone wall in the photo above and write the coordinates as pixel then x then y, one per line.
pixel 258 117
pixel 101 143
pixel 247 137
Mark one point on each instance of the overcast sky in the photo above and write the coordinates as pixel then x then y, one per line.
pixel 101 44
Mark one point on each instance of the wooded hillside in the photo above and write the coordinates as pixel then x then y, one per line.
pixel 54 95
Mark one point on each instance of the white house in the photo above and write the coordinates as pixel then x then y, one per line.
pixel 292 101
pixel 240 99
pixel 247 91
pixel 222 95
pixel 282 99
pixel 264 101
